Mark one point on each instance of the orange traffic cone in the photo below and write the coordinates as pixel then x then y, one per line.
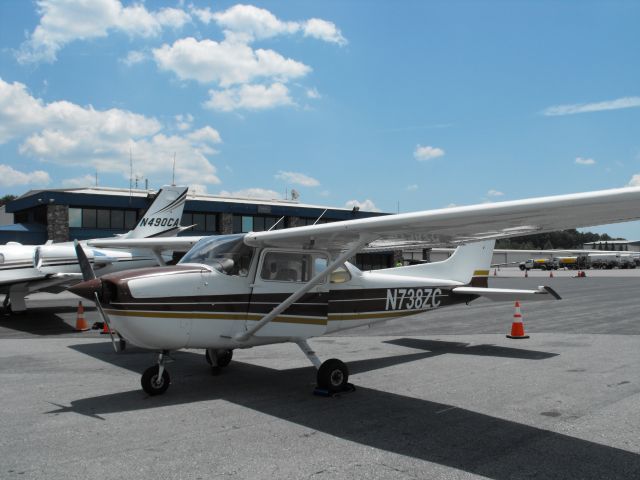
pixel 81 323
pixel 550 273
pixel 105 329
pixel 517 327
pixel 526 273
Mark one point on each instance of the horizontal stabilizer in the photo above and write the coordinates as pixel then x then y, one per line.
pixel 508 294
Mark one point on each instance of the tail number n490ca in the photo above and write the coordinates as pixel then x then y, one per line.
pixel 412 298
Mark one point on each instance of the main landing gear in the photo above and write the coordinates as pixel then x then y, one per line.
pixel 332 377
pixel 333 374
pixel 218 359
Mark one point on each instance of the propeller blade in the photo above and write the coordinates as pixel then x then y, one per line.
pixel 83 261
pixel 105 319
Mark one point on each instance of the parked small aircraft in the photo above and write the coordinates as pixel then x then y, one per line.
pixel 25 269
pixel 241 291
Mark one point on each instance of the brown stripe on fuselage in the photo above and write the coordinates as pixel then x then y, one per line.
pixel 337 305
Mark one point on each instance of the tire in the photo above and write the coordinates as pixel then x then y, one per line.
pixel 522 267
pixel 149 381
pixel 224 357
pixel 333 375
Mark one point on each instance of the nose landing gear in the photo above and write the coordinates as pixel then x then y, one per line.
pixel 155 380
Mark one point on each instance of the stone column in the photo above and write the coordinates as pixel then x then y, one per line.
pixel 58 223
pixel 226 223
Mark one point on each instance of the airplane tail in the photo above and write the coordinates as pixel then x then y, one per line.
pixel 162 219
pixel 469 265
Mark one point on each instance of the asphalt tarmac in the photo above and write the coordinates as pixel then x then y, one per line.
pixel 440 395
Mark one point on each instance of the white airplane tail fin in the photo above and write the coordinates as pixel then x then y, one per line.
pixel 162 219
pixel 469 264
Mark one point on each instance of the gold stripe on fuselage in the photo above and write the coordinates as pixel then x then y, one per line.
pixel 255 317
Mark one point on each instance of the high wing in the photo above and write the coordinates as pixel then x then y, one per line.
pixel 459 225
pixel 177 244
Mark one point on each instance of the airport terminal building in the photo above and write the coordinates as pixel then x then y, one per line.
pixel 60 215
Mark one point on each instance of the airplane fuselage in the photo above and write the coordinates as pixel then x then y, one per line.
pixel 208 309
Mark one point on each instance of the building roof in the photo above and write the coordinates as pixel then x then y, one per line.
pixel 139 198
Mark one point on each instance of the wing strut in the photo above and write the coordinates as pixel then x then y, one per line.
pixel 301 291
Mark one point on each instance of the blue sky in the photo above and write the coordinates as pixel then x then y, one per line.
pixel 405 104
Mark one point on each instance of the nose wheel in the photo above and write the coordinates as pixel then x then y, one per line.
pixel 155 380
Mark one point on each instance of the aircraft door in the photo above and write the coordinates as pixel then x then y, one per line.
pixel 280 273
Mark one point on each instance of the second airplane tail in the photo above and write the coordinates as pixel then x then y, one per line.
pixel 162 219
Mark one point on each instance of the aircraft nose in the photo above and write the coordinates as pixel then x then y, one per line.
pixel 88 289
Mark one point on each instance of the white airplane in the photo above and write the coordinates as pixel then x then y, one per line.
pixel 241 291
pixel 25 269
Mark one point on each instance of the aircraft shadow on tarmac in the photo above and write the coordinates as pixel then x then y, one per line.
pixel 39 321
pixel 444 434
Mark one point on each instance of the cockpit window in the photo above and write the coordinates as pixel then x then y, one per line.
pixel 226 253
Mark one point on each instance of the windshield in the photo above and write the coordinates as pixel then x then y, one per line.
pixel 226 253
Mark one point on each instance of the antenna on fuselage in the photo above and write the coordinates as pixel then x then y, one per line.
pixel 321 215
pixel 274 225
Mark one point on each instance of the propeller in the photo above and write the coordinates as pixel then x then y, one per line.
pixel 87 275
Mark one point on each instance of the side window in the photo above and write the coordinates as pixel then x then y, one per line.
pixel 291 266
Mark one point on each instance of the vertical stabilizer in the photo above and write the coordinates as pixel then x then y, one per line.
pixel 469 264
pixel 163 216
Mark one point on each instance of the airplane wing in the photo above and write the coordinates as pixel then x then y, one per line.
pixel 177 244
pixel 458 225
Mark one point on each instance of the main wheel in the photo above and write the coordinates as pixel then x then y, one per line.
pixel 223 356
pixel 152 383
pixel 333 375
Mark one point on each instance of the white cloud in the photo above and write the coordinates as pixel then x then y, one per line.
pixel 297 179
pixel 205 135
pixel 427 153
pixel 249 97
pixel 65 21
pixel 313 93
pixel 134 57
pixel 66 134
pixel 226 63
pixel 323 30
pixel 635 181
pixel 83 181
pixel 366 205
pixel 495 193
pixel 251 23
pixel 625 102
pixel 184 122
pixel 585 161
pixel 412 188
pixel 10 177
pixel 259 193
pixel 254 22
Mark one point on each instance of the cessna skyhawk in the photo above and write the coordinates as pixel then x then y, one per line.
pixel 241 291
pixel 25 269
